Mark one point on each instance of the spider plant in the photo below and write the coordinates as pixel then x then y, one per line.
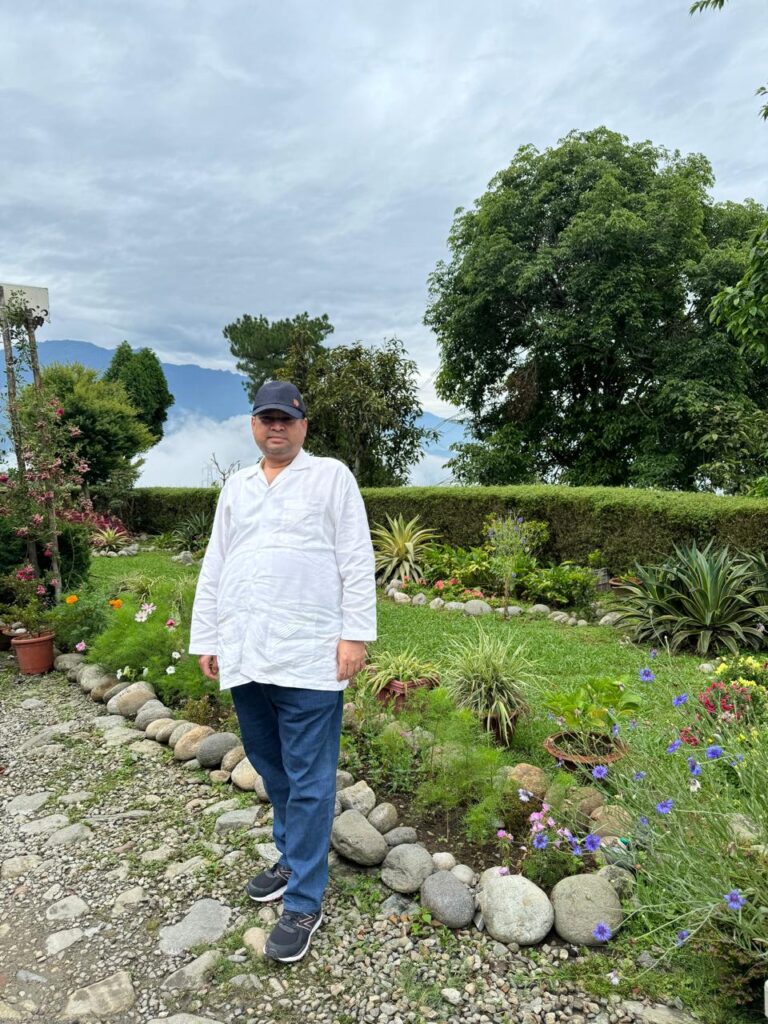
pixel 700 598
pixel 485 675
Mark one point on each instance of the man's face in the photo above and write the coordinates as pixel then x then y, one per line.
pixel 278 435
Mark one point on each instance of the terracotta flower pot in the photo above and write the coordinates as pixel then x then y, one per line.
pixel 34 654
pixel 614 749
pixel 396 692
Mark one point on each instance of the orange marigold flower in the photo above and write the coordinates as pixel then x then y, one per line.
pixel 72 599
pixel 116 603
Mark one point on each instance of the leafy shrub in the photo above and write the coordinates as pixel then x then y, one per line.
pixel 702 599
pixel 399 547
pixel 565 585
pixel 81 621
pixel 404 666
pixel 110 538
pixel 470 567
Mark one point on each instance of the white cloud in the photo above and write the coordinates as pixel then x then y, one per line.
pixel 183 457
pixel 170 166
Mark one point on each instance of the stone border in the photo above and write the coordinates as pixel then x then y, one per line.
pixel 366 834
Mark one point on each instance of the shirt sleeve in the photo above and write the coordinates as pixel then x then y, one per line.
pixel 203 634
pixel 355 560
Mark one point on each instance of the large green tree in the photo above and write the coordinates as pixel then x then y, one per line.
pixel 573 322
pixel 262 348
pixel 101 417
pixel 363 407
pixel 142 376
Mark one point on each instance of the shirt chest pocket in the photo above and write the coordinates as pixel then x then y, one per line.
pixel 301 520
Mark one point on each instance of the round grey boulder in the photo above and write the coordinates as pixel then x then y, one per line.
pixel 582 902
pixel 152 711
pixel 211 751
pixel 477 608
pixel 130 700
pixel 383 817
pixel 355 838
pixel 406 867
pixel 401 834
pixel 448 900
pixel 515 910
pixel 182 728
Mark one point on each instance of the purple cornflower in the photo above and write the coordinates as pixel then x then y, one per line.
pixel 599 771
pixel 653 653
pixel 602 932
pixel 682 935
pixel 734 900
pixel 682 698
pixel 540 841
pixel 674 745
pixel 714 752
pixel 575 846
pixel 693 766
pixel 646 675
pixel 592 843
pixel 615 730
pixel 644 821
pixel 664 806
pixel 633 723
pixel 639 776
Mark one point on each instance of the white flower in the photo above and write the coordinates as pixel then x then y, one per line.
pixel 524 795
pixel 145 672
pixel 694 785
pixel 119 674
pixel 613 977
pixel 175 655
pixel 170 670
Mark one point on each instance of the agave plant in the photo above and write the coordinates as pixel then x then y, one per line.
pixel 700 598
pixel 193 532
pixel 399 546
pixel 485 676
pixel 110 538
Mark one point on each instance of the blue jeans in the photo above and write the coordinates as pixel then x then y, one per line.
pixel 291 737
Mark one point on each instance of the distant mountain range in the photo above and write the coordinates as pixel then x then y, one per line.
pixel 216 394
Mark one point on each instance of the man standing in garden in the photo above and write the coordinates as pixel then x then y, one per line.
pixel 285 603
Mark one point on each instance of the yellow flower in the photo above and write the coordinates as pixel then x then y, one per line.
pixel 742 737
pixel 721 669
pixel 72 599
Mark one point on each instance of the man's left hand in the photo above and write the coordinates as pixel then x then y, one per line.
pixel 350 658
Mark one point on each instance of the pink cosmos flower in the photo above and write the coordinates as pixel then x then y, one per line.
pixel 81 646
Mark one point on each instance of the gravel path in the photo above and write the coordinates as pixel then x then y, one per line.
pixel 116 874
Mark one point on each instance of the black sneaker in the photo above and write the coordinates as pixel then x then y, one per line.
pixel 269 885
pixel 291 936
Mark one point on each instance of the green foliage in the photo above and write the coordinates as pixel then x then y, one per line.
pixel 399 547
pixel 79 622
pixel 262 348
pixel 566 585
pixel 160 509
pixel 513 544
pixel 471 567
pixel 403 665
pixel 484 676
pixel 110 538
pixel 572 322
pixel 74 553
pixel 596 706
pixel 142 376
pixel 742 309
pixel 363 407
pixel 193 532
pixel 111 433
pixel 705 599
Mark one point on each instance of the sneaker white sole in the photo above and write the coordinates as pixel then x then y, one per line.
pixel 296 956
pixel 270 897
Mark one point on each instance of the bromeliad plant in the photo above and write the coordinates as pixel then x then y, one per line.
pixel 399 548
pixel 704 599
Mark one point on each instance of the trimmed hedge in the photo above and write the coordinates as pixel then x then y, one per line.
pixel 627 525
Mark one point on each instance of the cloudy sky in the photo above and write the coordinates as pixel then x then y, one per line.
pixel 168 165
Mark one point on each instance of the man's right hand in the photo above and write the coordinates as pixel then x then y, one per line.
pixel 209 665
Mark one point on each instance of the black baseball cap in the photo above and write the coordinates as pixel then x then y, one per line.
pixel 279 394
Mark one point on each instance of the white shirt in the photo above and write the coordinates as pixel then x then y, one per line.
pixel 288 572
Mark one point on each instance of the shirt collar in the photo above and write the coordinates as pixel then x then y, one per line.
pixel 302 461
